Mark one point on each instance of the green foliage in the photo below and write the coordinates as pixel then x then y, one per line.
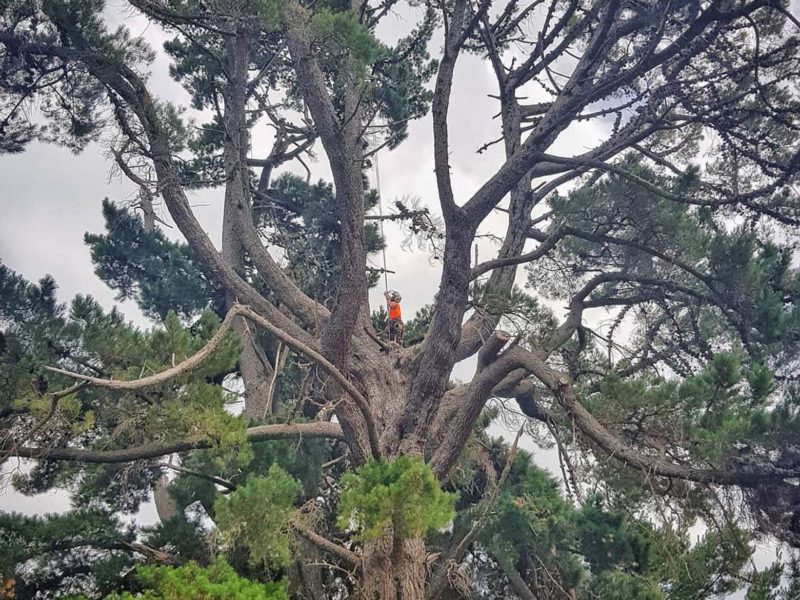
pixel 399 77
pixel 416 328
pixel 342 34
pixel 401 497
pixel 722 405
pixel 183 537
pixel 257 514
pixel 270 12
pixel 146 267
pixel 618 585
pixel 765 584
pixel 70 106
pixel 609 541
pixel 518 310
pixel 38 331
pixel 598 550
pixel 299 217
pixel 531 517
pixel 718 286
pixel 715 408
pixel 711 567
pixel 193 582
pixel 62 552
pixel 33 325
pixel 301 460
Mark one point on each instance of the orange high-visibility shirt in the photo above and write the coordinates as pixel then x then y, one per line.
pixel 394 310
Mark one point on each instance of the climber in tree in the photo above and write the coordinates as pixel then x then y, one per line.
pixel 395 325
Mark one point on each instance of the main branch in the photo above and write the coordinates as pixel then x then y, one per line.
pixel 317 429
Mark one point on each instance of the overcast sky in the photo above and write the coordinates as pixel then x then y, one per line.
pixel 50 197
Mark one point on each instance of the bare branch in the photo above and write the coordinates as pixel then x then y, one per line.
pixel 547 243
pixel 212 478
pixel 187 365
pixel 350 558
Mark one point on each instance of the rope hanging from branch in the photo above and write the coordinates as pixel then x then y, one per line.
pixel 380 214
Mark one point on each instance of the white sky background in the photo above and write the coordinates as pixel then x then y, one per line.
pixel 50 197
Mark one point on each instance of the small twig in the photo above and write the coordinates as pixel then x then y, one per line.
pixel 213 478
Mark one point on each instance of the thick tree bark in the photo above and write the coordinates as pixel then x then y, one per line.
pixel 306 580
pixel 431 376
pixel 342 139
pixel 165 504
pixel 480 325
pixel 518 583
pixel 394 569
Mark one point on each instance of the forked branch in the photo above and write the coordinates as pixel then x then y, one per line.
pixel 213 344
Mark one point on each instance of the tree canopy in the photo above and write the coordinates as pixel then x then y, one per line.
pixel 640 315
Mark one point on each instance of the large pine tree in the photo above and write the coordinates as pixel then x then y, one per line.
pixel 352 456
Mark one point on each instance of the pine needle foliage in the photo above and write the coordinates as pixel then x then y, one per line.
pixel 216 582
pixel 401 496
pixel 256 516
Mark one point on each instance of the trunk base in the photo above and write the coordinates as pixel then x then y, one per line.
pixel 394 570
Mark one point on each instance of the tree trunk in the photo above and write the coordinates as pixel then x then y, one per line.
pixel 306 580
pixel 165 505
pixel 394 569
pixel 254 367
pixel 257 375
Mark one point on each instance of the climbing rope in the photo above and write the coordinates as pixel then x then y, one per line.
pixel 380 221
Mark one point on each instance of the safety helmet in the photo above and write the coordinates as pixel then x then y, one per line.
pixel 395 296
